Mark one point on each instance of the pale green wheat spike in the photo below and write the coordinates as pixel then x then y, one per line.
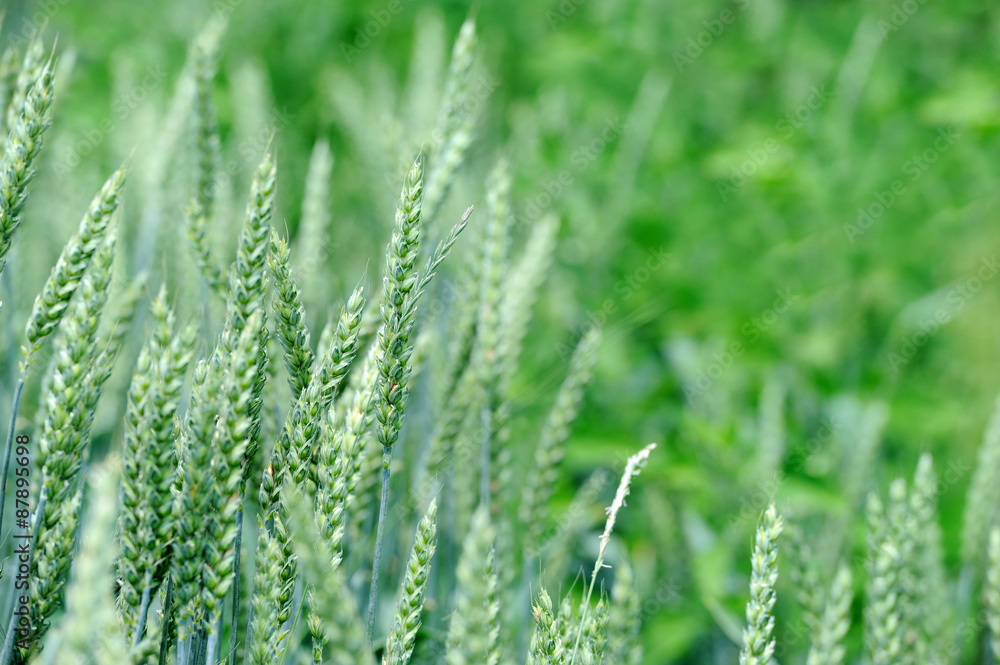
pixel 758 644
pixel 883 636
pixel 804 576
pixel 330 597
pixel 827 647
pixel 290 316
pixel 902 526
pixel 196 222
pixel 399 285
pixel 229 444
pixel 90 628
pixel 595 635
pixel 398 308
pixel 200 212
pixel 293 451
pixel 66 275
pixel 146 522
pixel 23 145
pixel 312 235
pixel 247 290
pixel 983 498
pixel 126 306
pixel 992 591
pixel 624 621
pixel 520 294
pixel 340 464
pixel 192 505
pixel 10 64
pixel 264 642
pixel 494 267
pixel 549 451
pixel 132 516
pixel 25 77
pixel 454 132
pixel 932 605
pixel 473 631
pixel 546 643
pixel 80 368
pixel 399 644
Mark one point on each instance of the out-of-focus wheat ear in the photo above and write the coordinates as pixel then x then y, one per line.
pixel 201 210
pixel 934 614
pixel 290 316
pixel 27 72
pixel 330 597
pixel 10 64
pixel 66 275
pixel 455 122
pixel 310 243
pixel 90 628
pixel 30 120
pixel 204 56
pixel 494 267
pixel 758 643
pixel 901 524
pixel 410 603
pixel 473 631
pixel 883 621
pixel 992 591
pixel 521 292
pixel 549 451
pixel 983 496
pixel 126 305
pixel 196 223
pixel 625 618
pixel 546 644
pixel 827 647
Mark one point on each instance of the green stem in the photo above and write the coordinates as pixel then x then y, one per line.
pixel 143 609
pixel 167 622
pixel 379 533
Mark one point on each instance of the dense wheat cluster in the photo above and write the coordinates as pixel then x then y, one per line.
pixel 240 525
pixel 219 453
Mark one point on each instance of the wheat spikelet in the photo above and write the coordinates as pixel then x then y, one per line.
pixel 65 277
pixel 290 316
pixel 827 647
pixel 473 631
pixel 399 644
pixel 89 625
pixel 31 119
pixel 758 645
pixel 454 132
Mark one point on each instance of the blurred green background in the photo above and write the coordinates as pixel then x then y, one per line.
pixel 783 212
